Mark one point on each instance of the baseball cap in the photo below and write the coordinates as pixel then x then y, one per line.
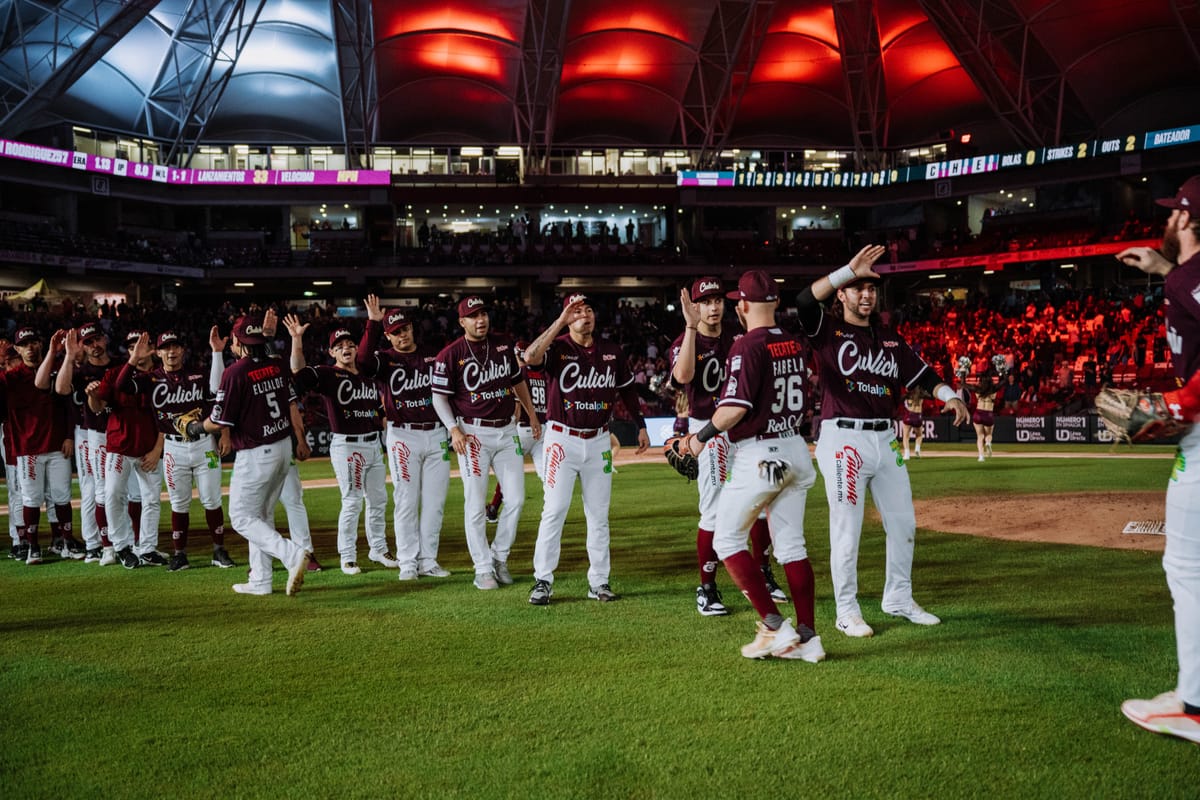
pixel 470 305
pixel 25 336
pixel 576 297
pixel 521 346
pixel 133 336
pixel 755 286
pixel 706 287
pixel 1187 198
pixel 249 329
pixel 88 330
pixel 339 334
pixel 166 339
pixel 395 319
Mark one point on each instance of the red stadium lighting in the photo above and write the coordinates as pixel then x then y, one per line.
pixel 965 138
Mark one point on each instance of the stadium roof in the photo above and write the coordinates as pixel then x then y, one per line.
pixel 699 74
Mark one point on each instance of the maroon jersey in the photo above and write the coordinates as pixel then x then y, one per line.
pixel 704 390
pixel 131 430
pixel 1181 288
pixel 478 377
pixel 582 383
pixel 36 418
pixel 351 401
pixel 254 401
pixel 767 378
pixel 862 368
pixel 535 378
pixel 404 379
pixel 170 393
pixel 85 374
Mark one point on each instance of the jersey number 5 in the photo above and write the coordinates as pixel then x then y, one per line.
pixel 789 393
pixel 273 402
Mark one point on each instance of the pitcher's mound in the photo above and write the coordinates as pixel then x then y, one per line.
pixel 1092 518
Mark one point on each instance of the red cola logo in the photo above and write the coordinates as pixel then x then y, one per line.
pixel 852 462
pixel 554 455
pixel 473 450
pixel 357 464
pixel 400 456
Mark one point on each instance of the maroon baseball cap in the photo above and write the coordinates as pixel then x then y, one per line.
pixel 25 336
pixel 1187 198
pixel 166 339
pixel 249 329
pixel 470 306
pixel 756 286
pixel 339 334
pixel 133 336
pixel 395 320
pixel 88 330
pixel 574 297
pixel 708 286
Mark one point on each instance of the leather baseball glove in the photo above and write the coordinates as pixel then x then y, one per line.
pixel 1137 416
pixel 680 459
pixel 189 425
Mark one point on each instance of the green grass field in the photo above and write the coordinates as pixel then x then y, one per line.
pixel 144 683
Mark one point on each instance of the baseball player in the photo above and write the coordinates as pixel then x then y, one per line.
pixel 134 447
pixel 475 379
pixel 863 367
pixel 584 376
pixel 698 359
pixel 352 406
pixel 12 480
pixel 760 410
pixel 86 361
pixel 529 445
pixel 1177 712
pixel 255 402
pixel 417 445
pixel 172 391
pixel 912 426
pixel 40 440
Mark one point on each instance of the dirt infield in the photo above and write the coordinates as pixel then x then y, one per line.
pixel 1090 518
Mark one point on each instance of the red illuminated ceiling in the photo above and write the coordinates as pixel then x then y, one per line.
pixel 702 74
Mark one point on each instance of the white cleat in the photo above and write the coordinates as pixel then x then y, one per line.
pixel 810 651
pixel 854 627
pixel 915 614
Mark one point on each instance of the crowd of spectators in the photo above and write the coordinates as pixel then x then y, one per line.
pixel 1059 347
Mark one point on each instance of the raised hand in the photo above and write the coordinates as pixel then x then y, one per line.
pixel 374 310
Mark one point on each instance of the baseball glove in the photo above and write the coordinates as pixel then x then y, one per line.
pixel 680 459
pixel 1136 416
pixel 183 422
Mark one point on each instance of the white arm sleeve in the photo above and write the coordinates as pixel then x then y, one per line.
pixel 215 372
pixel 441 404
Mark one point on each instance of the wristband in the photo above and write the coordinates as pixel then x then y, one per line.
pixel 945 394
pixel 842 276
pixel 709 431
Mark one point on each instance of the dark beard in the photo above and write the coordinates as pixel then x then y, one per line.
pixel 1170 246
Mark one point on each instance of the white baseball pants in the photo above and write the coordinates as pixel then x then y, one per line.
pixel 420 465
pixel 566 458
pixel 185 463
pixel 750 491
pixel 254 489
pixel 120 473
pixel 1181 562
pixel 358 466
pixel 852 461
pixel 499 449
